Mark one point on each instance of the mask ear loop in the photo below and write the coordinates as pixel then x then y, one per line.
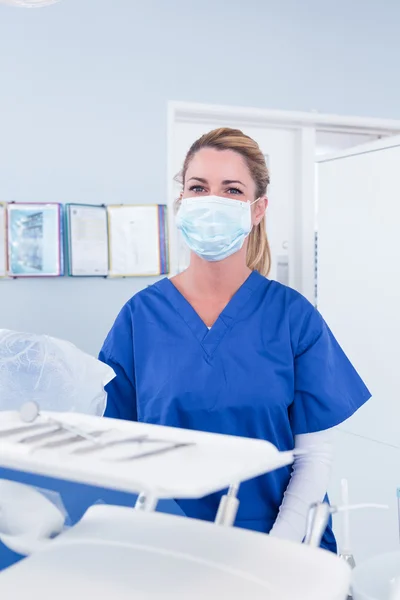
pixel 254 201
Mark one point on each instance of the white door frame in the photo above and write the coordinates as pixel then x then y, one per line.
pixel 301 241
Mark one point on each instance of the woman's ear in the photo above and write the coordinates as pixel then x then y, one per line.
pixel 259 209
pixel 177 202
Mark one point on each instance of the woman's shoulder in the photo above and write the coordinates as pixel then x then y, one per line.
pixel 302 317
pixel 128 315
pixel 289 299
pixel 150 292
pixel 147 295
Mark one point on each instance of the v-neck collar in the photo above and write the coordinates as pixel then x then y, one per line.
pixel 210 338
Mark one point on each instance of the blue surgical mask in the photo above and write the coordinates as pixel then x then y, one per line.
pixel 214 227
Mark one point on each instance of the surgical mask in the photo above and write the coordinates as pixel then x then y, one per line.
pixel 214 227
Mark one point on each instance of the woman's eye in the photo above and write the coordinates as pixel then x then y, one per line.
pixel 234 191
pixel 197 189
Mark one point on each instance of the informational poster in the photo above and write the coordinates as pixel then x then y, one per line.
pixel 3 239
pixel 87 240
pixel 34 240
pixel 137 240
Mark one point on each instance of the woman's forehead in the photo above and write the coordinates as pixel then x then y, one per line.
pixel 209 163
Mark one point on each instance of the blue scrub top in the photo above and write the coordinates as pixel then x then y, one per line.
pixel 269 368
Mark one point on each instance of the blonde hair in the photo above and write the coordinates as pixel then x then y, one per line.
pixel 258 251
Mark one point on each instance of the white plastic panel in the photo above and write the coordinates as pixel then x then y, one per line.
pixel 359 296
pixel 209 464
pixel 124 554
pixel 358 277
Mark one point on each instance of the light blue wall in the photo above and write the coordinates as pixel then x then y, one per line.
pixel 84 86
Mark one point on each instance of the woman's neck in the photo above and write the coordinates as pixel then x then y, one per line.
pixel 216 279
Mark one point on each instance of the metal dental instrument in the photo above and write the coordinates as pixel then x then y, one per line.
pixel 154 452
pixel 228 507
pixel 30 411
pixel 111 444
pixel 17 430
pixel 139 439
pixel 36 437
pixel 317 522
pixel 67 441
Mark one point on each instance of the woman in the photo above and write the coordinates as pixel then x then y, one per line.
pixel 221 348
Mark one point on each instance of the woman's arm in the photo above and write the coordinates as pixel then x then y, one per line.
pixel 121 393
pixel 117 352
pixel 308 484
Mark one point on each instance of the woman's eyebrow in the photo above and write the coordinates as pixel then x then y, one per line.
pixel 198 179
pixel 230 181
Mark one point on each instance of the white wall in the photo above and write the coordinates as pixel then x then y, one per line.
pixel 83 91
pixel 359 294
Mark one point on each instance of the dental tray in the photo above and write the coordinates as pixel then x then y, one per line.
pixel 133 457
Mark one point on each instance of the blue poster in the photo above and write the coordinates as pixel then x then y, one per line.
pixel 34 240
